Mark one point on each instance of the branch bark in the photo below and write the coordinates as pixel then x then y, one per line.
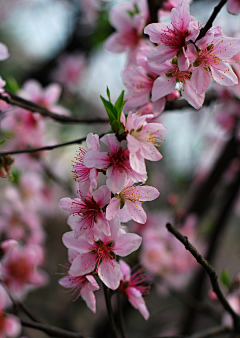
pixel 211 273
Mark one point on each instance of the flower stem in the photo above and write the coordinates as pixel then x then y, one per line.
pixel 110 312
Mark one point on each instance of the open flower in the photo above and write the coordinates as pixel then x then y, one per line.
pixel 87 216
pixel 100 256
pixel 211 60
pixel 84 175
pixel 173 39
pixel 116 162
pixel 142 138
pixel 132 196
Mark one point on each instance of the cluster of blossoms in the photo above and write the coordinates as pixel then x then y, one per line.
pixel 180 63
pixel 97 237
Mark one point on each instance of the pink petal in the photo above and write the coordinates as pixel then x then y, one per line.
pixel 137 301
pixel 13 325
pixel 183 61
pixel 82 265
pixel 233 6
pixel 3 52
pixel 137 162
pixel 224 75
pixel 154 30
pixel 102 196
pixel 116 180
pixel 226 47
pixel 116 43
pixel 93 142
pixel 126 244
pixel 147 193
pixel 180 16
pixel 162 86
pixel 113 208
pixel 162 53
pixel 52 93
pixel 95 159
pixel 89 297
pixel 70 205
pixel 111 141
pixel 136 211
pixel 158 106
pixel 195 100
pixel 109 273
pixel 80 245
pixel 120 19
pixel 125 270
pixel 200 79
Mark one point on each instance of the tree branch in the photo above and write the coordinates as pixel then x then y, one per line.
pixel 52 331
pixel 209 23
pixel 211 273
pixel 110 311
pixel 46 148
pixel 33 107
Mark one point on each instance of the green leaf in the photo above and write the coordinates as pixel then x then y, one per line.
pixel 108 94
pixel 1 142
pixel 225 278
pixel 119 105
pixel 12 85
pixel 111 110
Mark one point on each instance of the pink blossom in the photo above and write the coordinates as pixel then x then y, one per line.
pixel 84 175
pixel 132 196
pixel 116 161
pixel 170 76
pixel 132 286
pixel 173 39
pixel 70 70
pixel 46 98
pixel 87 216
pixel 10 325
pixel 129 21
pixel 234 301
pixel 233 6
pixel 100 255
pixel 19 269
pixel 139 80
pixel 211 60
pixel 83 286
pixel 4 54
pixel 142 138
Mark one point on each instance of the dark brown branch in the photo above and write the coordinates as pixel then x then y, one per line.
pixel 52 331
pixel 33 107
pixel 46 148
pixel 211 273
pixel 210 332
pixel 209 23
pixel 110 311
pixel 198 201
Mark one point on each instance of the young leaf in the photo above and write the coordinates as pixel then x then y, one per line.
pixel 1 142
pixel 225 278
pixel 119 105
pixel 111 110
pixel 108 94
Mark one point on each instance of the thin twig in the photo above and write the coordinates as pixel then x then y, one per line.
pixel 28 312
pixel 209 23
pixel 110 311
pixel 33 107
pixel 52 331
pixel 120 317
pixel 46 148
pixel 210 332
pixel 211 273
